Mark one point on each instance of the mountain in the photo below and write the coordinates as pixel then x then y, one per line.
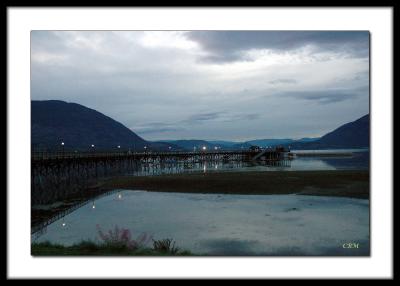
pixel 307 139
pixel 54 121
pixel 230 145
pixel 276 142
pixel 350 135
pixel 192 144
pixel 242 145
pixel 166 146
pixel 223 143
pixel 270 142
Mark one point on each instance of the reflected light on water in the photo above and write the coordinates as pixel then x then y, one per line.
pixel 320 223
pixel 93 206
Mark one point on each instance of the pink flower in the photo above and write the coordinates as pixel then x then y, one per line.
pixel 123 237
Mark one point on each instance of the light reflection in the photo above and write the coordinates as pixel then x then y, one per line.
pixel 93 206
pixel 119 196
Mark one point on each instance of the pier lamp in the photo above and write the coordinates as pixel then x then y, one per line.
pixel 204 148
pixel 215 148
pixel 119 147
pixel 145 148
pixel 62 144
pixel 63 222
pixel 169 148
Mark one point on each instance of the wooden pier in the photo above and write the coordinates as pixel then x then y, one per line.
pixel 55 176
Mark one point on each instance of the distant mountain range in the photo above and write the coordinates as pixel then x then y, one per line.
pixel 54 121
pixel 231 145
pixel 351 135
pixel 191 145
pixel 275 142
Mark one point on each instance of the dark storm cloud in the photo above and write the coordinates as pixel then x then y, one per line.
pixel 204 117
pixel 196 119
pixel 326 96
pixel 221 116
pixel 227 46
pixel 157 127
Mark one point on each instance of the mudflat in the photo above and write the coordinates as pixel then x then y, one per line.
pixel 343 183
pixel 338 183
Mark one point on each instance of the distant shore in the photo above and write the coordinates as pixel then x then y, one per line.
pixel 339 183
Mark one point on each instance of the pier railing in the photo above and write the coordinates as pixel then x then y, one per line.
pixel 39 155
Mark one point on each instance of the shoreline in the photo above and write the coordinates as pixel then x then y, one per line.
pixel 342 183
pixel 336 183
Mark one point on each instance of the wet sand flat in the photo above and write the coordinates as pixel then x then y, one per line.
pixel 339 183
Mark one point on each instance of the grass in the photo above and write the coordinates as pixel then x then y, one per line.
pixel 89 248
pixel 166 246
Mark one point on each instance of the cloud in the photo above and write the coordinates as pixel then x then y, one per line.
pixel 325 96
pixel 221 116
pixel 204 117
pixel 283 81
pixel 156 127
pixel 228 46
pixel 160 85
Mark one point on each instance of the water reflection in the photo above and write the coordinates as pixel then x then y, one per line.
pixel 228 224
pixel 359 160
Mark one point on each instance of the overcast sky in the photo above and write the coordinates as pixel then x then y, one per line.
pixel 230 85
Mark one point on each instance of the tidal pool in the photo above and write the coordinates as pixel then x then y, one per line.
pixel 234 225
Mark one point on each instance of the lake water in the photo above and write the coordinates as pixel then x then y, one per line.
pixel 358 161
pixel 210 224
